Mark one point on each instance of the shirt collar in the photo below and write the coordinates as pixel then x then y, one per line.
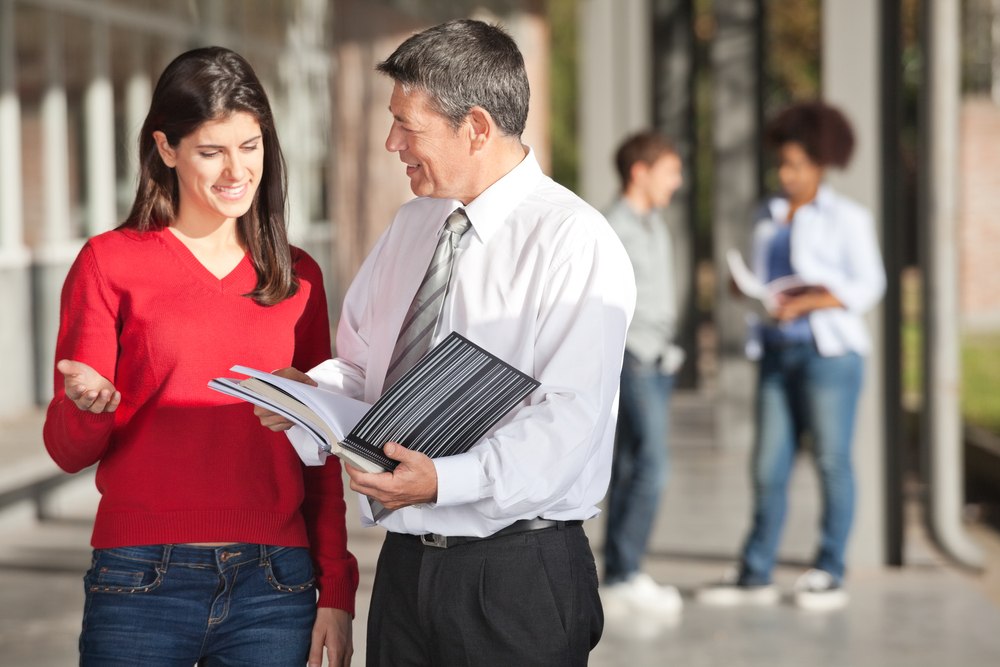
pixel 824 198
pixel 491 208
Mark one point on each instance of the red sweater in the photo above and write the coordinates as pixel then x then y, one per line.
pixel 178 462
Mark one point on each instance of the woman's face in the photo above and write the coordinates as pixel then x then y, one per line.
pixel 219 167
pixel 800 177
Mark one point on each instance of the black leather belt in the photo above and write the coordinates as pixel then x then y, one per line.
pixel 522 526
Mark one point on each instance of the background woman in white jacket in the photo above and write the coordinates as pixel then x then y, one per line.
pixel 812 352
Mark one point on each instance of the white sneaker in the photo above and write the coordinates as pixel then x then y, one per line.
pixel 640 594
pixel 817 590
pixel 729 592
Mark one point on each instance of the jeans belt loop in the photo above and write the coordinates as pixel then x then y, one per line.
pixel 165 559
pixel 264 559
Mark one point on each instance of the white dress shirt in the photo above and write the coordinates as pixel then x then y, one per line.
pixel 541 281
pixel 834 244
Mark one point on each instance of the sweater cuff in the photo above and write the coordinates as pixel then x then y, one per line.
pixel 336 592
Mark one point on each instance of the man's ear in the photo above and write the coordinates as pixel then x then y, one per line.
pixel 481 127
pixel 637 171
pixel 167 153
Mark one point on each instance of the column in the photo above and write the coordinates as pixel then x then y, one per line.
pixel 138 94
pixel 850 76
pixel 16 336
pixel 55 141
pixel 737 122
pixel 58 246
pixel 99 115
pixel 673 102
pixel 941 423
pixel 614 88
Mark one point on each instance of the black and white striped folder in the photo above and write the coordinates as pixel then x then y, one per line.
pixel 443 405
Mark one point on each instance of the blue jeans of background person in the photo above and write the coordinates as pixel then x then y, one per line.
pixel 178 605
pixel 640 469
pixel 801 391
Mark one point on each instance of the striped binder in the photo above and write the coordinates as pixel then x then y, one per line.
pixel 443 405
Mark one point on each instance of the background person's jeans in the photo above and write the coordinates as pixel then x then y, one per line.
pixel 798 391
pixel 242 604
pixel 640 469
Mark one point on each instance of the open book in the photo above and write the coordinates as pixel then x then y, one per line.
pixel 767 294
pixel 442 406
pixel 326 416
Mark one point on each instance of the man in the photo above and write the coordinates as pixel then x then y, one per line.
pixel 485 561
pixel 650 172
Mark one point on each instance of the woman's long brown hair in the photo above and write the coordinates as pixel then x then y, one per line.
pixel 211 84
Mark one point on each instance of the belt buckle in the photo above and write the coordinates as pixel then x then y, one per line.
pixel 434 540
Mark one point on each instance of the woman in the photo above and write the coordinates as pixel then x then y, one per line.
pixel 812 352
pixel 206 524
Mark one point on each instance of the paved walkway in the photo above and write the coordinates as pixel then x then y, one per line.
pixel 926 614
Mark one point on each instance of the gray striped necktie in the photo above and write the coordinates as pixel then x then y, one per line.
pixel 421 319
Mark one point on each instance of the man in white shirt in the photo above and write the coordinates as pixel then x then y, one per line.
pixel 485 561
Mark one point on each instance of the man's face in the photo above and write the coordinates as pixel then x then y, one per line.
pixel 437 157
pixel 663 179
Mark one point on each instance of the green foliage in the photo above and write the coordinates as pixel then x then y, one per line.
pixel 980 359
pixel 792 52
pixel 563 91
pixel 981 380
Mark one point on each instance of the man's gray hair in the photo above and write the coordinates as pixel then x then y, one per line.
pixel 461 64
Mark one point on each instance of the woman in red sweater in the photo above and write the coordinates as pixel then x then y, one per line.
pixel 211 540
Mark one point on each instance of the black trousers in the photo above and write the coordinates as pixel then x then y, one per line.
pixel 518 600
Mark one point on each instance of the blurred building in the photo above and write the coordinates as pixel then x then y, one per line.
pixel 76 77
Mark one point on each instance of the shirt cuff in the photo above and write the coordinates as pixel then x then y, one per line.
pixel 458 479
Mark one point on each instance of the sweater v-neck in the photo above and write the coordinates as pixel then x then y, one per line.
pixel 236 280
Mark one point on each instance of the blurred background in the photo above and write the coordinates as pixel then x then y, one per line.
pixel 919 79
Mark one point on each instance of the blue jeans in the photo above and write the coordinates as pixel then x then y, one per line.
pixel 800 391
pixel 640 468
pixel 178 605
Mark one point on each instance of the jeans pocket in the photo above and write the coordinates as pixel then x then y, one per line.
pixel 115 572
pixel 290 570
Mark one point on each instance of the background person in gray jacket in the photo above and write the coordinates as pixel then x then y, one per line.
pixel 650 172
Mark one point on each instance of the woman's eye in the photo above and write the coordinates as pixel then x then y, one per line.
pixel 250 149
pixel 209 153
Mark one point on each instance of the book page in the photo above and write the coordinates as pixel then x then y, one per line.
pixel 744 278
pixel 339 412
pixel 311 451
pixel 325 415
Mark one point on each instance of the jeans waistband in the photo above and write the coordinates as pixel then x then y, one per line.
pixel 193 556
pixel 522 526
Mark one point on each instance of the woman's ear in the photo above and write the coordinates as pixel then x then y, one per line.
pixel 481 127
pixel 167 153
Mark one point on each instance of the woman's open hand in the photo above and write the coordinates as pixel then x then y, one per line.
pixel 87 388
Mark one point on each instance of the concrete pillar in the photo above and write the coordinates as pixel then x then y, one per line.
pixel 58 246
pixel 302 107
pixel 138 94
pixel 16 339
pixel 850 79
pixel 735 194
pixel 55 140
pixel 99 114
pixel 614 67
pixel 942 416
pixel 673 104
